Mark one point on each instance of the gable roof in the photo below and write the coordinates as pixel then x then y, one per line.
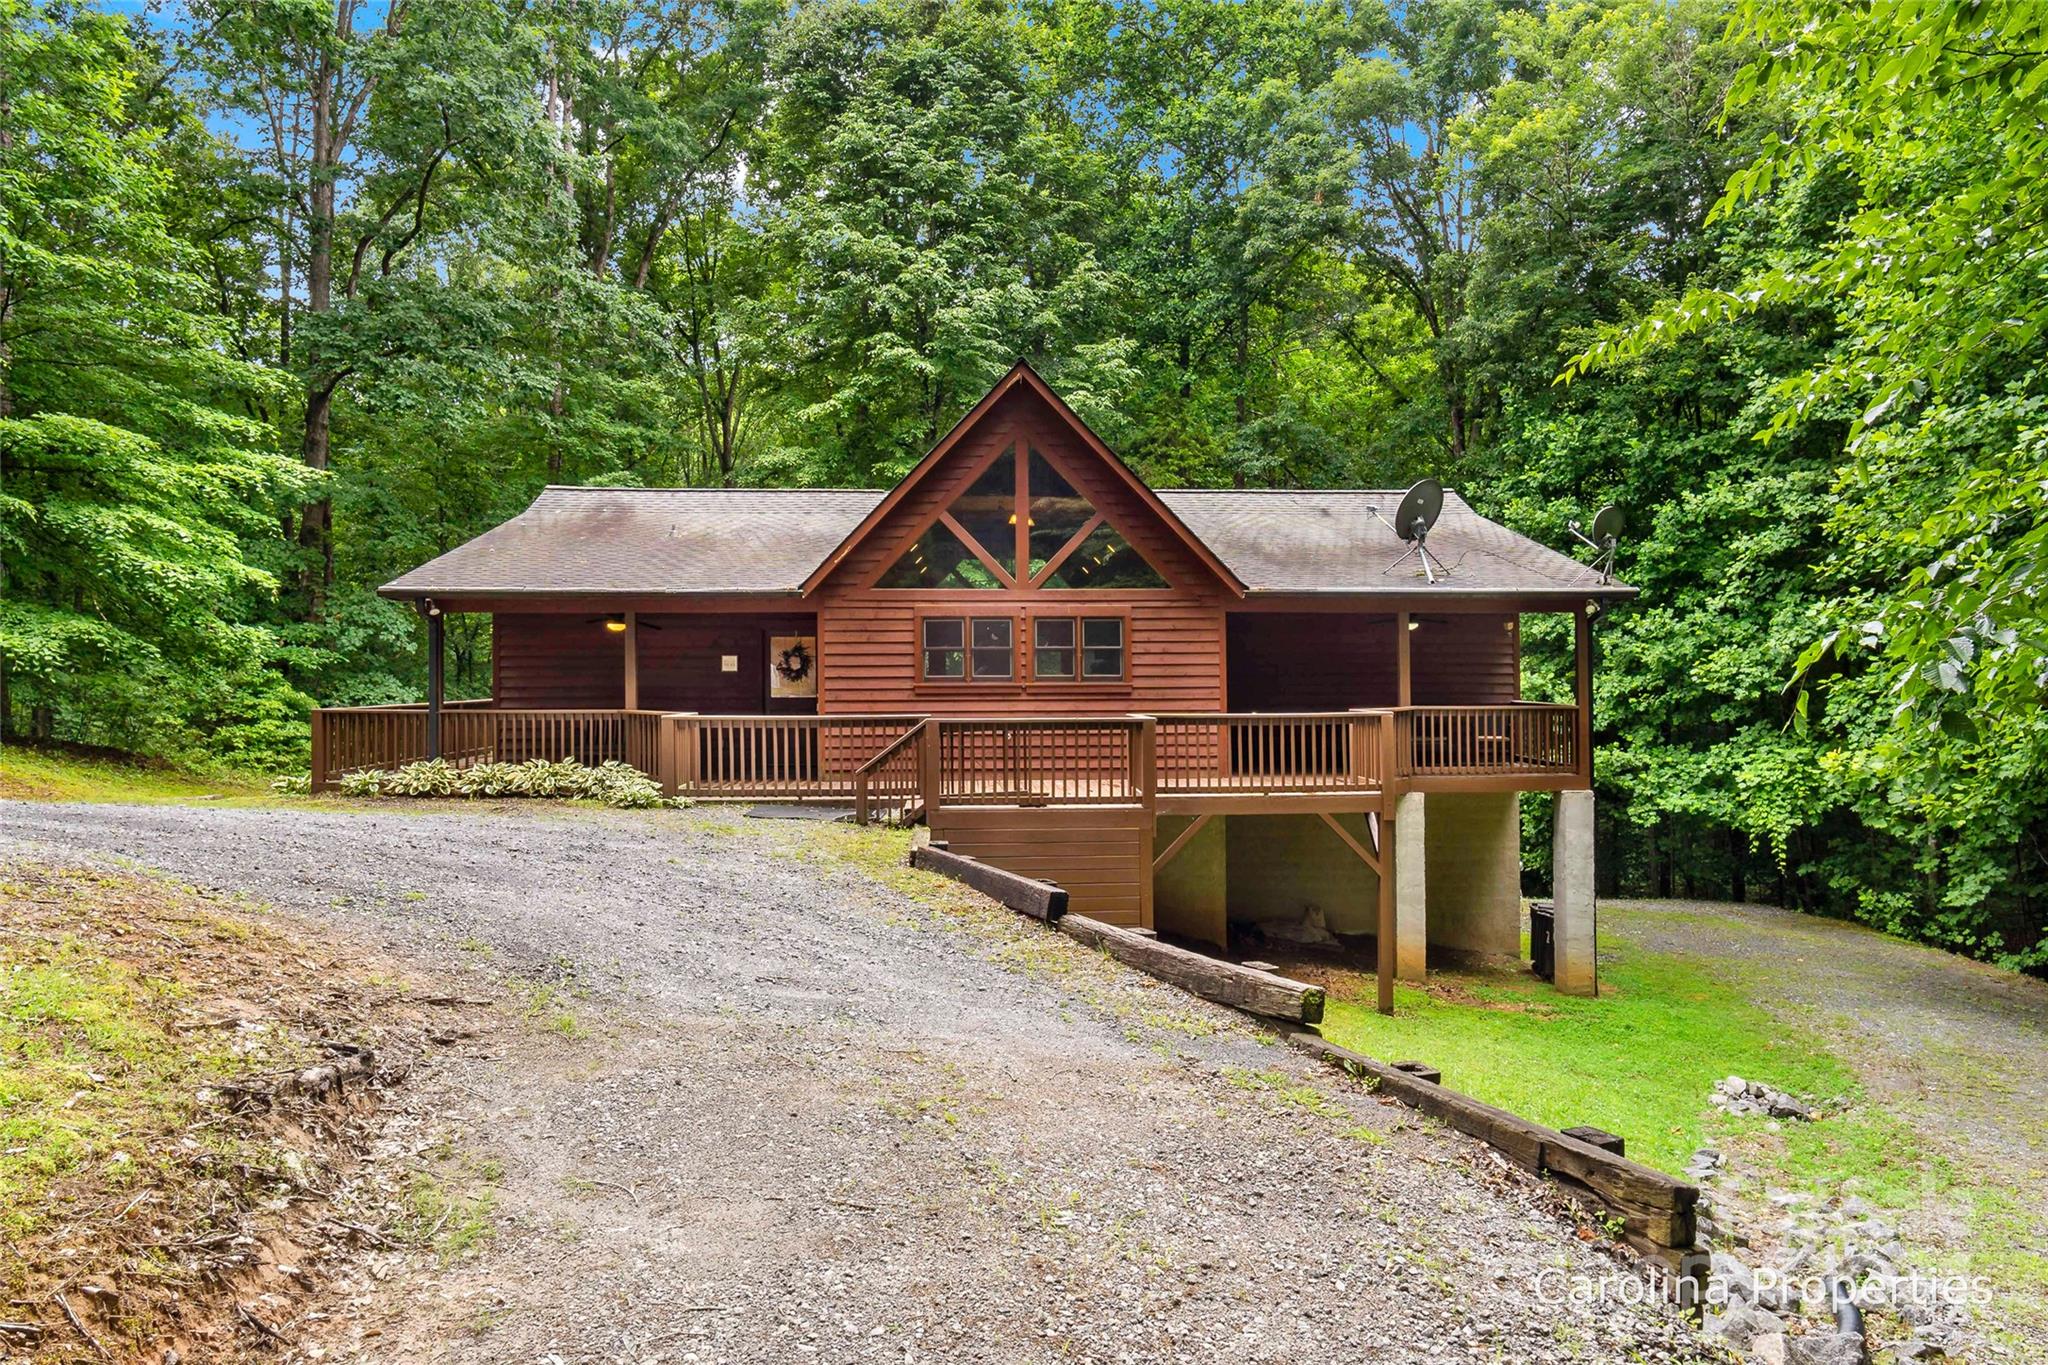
pixel 1343 541
pixel 662 541
pixel 657 542
pixel 1022 376
pixel 653 541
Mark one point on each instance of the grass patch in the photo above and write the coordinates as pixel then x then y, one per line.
pixel 91 1072
pixel 52 775
pixel 1640 1060
pixel 452 1206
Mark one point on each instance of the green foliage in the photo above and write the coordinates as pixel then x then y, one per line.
pixel 613 784
pixel 1789 251
pixel 1910 143
pixel 133 479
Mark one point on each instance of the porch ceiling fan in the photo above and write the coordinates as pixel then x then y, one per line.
pixel 615 622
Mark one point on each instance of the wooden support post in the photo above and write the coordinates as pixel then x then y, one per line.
pixel 1144 784
pixel 1383 948
pixel 434 678
pixel 679 753
pixel 1404 671
pixel 319 750
pixel 1582 690
pixel 929 768
pixel 632 661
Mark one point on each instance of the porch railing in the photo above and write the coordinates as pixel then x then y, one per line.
pixel 1222 753
pixel 890 786
pixel 790 758
pixel 358 738
pixel 737 757
pixel 1020 761
pixel 897 762
pixel 1523 739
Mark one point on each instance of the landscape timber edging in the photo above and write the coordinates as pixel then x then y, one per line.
pixel 1266 994
pixel 1025 895
pixel 1657 1210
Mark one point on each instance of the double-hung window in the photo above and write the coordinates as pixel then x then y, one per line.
pixel 969 648
pixel 1088 648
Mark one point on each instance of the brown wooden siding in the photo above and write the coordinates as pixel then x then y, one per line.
pixel 867 636
pixel 565 660
pixel 1102 855
pixel 550 662
pixel 681 661
pixel 1327 661
pixel 1466 660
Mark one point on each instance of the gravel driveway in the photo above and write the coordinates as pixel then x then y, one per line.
pixel 810 1115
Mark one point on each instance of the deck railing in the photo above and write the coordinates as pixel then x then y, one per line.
pixel 1216 753
pixel 1524 739
pixel 790 758
pixel 1033 761
pixel 357 738
pixel 901 761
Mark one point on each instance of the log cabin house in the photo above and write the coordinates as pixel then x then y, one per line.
pixel 1188 707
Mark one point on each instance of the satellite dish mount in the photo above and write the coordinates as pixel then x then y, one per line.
pixel 1608 524
pixel 1420 506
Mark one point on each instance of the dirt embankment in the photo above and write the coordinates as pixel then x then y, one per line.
pixel 188 1088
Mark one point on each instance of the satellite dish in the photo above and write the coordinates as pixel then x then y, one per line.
pixel 1608 525
pixel 1420 506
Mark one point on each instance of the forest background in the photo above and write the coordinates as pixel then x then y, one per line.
pixel 297 294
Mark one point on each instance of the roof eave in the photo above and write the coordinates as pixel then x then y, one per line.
pixel 398 591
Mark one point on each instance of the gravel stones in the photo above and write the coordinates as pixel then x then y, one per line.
pixel 808 1117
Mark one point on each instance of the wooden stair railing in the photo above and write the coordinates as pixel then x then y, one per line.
pixel 893 779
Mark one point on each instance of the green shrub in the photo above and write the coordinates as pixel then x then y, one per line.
pixel 612 784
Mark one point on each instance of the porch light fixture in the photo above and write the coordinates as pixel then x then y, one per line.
pixel 1414 623
pixel 615 623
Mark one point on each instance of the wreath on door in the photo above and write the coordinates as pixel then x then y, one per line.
pixel 794 664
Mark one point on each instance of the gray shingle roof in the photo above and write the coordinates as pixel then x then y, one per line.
pixel 658 541
pixel 649 540
pixel 1336 541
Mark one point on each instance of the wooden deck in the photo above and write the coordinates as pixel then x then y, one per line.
pixel 891 766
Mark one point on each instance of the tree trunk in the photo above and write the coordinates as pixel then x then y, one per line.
pixel 316 524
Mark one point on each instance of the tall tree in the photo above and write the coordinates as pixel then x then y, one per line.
pixel 1228 190
pixel 920 209
pixel 364 123
pixel 132 481
pixel 1422 67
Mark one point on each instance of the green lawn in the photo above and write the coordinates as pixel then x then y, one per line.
pixel 52 775
pixel 1638 1061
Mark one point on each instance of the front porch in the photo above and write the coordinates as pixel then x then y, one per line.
pixel 1174 764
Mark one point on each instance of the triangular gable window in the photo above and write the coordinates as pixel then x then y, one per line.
pixel 1058 513
pixel 988 511
pixel 1105 560
pixel 939 560
pixel 1068 542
